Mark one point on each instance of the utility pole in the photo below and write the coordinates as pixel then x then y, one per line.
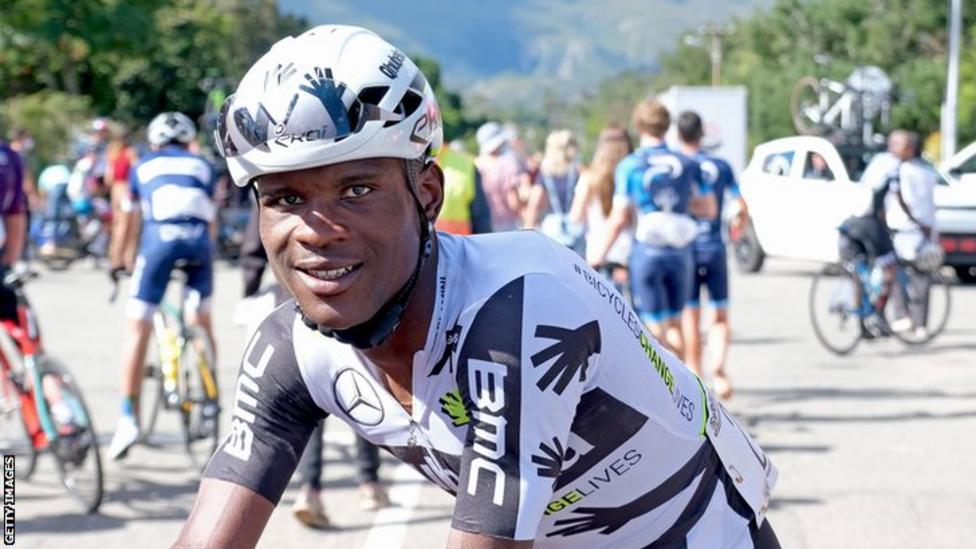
pixel 713 33
pixel 949 106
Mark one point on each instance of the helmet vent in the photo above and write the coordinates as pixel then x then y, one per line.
pixel 373 95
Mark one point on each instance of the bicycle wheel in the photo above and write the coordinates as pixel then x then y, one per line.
pixel 927 309
pixel 834 310
pixel 15 434
pixel 200 402
pixel 805 106
pixel 76 447
pixel 151 393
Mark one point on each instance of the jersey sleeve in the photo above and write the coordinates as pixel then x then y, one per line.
pixel 273 415
pixel 134 181
pixel 621 182
pixel 699 187
pixel 14 200
pixel 523 363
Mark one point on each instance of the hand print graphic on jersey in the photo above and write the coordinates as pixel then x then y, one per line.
pixel 573 349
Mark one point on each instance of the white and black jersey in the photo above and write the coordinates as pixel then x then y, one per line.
pixel 539 401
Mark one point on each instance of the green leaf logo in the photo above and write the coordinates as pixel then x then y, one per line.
pixel 452 405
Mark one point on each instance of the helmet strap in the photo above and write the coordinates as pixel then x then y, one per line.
pixel 377 329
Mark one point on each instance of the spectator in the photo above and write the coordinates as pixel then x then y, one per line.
pixel 816 168
pixel 594 198
pixel 551 200
pixel 465 209
pixel 120 157
pixel 308 507
pixel 501 176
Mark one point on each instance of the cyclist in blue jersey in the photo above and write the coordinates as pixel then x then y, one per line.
pixel 662 189
pixel 710 265
pixel 175 189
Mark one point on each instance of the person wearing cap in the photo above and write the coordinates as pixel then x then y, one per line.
pixel 501 176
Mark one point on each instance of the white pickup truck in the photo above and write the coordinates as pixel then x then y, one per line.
pixel 796 202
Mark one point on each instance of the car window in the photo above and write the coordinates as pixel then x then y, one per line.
pixel 855 160
pixel 778 163
pixel 969 166
pixel 815 167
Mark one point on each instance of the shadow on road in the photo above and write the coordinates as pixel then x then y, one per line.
pixel 763 340
pixel 798 394
pixel 779 503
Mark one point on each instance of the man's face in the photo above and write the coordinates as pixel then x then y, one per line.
pixel 344 238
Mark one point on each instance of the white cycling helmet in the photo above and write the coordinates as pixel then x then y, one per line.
pixel 929 257
pixel 168 127
pixel 334 93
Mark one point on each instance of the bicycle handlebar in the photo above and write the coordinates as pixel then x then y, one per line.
pixel 17 279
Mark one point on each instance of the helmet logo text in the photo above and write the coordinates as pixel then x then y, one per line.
pixel 392 66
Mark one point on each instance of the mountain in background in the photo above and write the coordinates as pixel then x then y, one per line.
pixel 503 53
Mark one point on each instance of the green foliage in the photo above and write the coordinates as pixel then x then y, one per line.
pixel 134 58
pixel 51 117
pixel 770 51
pixel 457 123
pixel 131 59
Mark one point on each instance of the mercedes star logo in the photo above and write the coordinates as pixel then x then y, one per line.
pixel 357 398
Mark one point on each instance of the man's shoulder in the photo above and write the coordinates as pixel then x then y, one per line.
pixel 527 255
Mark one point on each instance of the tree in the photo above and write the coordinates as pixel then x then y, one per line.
pixel 768 52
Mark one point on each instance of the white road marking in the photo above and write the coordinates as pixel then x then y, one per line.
pixel 390 524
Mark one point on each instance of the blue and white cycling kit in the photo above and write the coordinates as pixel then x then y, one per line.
pixel 539 401
pixel 175 188
pixel 659 183
pixel 708 249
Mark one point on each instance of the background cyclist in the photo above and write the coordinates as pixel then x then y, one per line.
pixel 662 189
pixel 867 233
pixel 710 265
pixel 175 188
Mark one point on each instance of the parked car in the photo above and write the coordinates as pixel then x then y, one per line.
pixel 961 167
pixel 800 189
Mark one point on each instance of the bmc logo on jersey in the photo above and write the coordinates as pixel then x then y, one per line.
pixel 486 386
pixel 241 438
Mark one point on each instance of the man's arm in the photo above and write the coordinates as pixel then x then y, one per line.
pixel 466 540
pixel 480 211
pixel 274 416
pixel 225 515
pixel 16 228
pixel 620 218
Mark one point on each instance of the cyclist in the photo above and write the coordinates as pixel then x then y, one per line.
pixel 710 265
pixel 911 215
pixel 499 366
pixel 175 188
pixel 867 234
pixel 664 188
pixel 13 230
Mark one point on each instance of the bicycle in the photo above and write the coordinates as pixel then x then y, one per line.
pixel 179 376
pixel 821 105
pixel 54 418
pixel 842 305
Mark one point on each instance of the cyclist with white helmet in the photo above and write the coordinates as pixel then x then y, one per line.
pixel 499 366
pixel 175 189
